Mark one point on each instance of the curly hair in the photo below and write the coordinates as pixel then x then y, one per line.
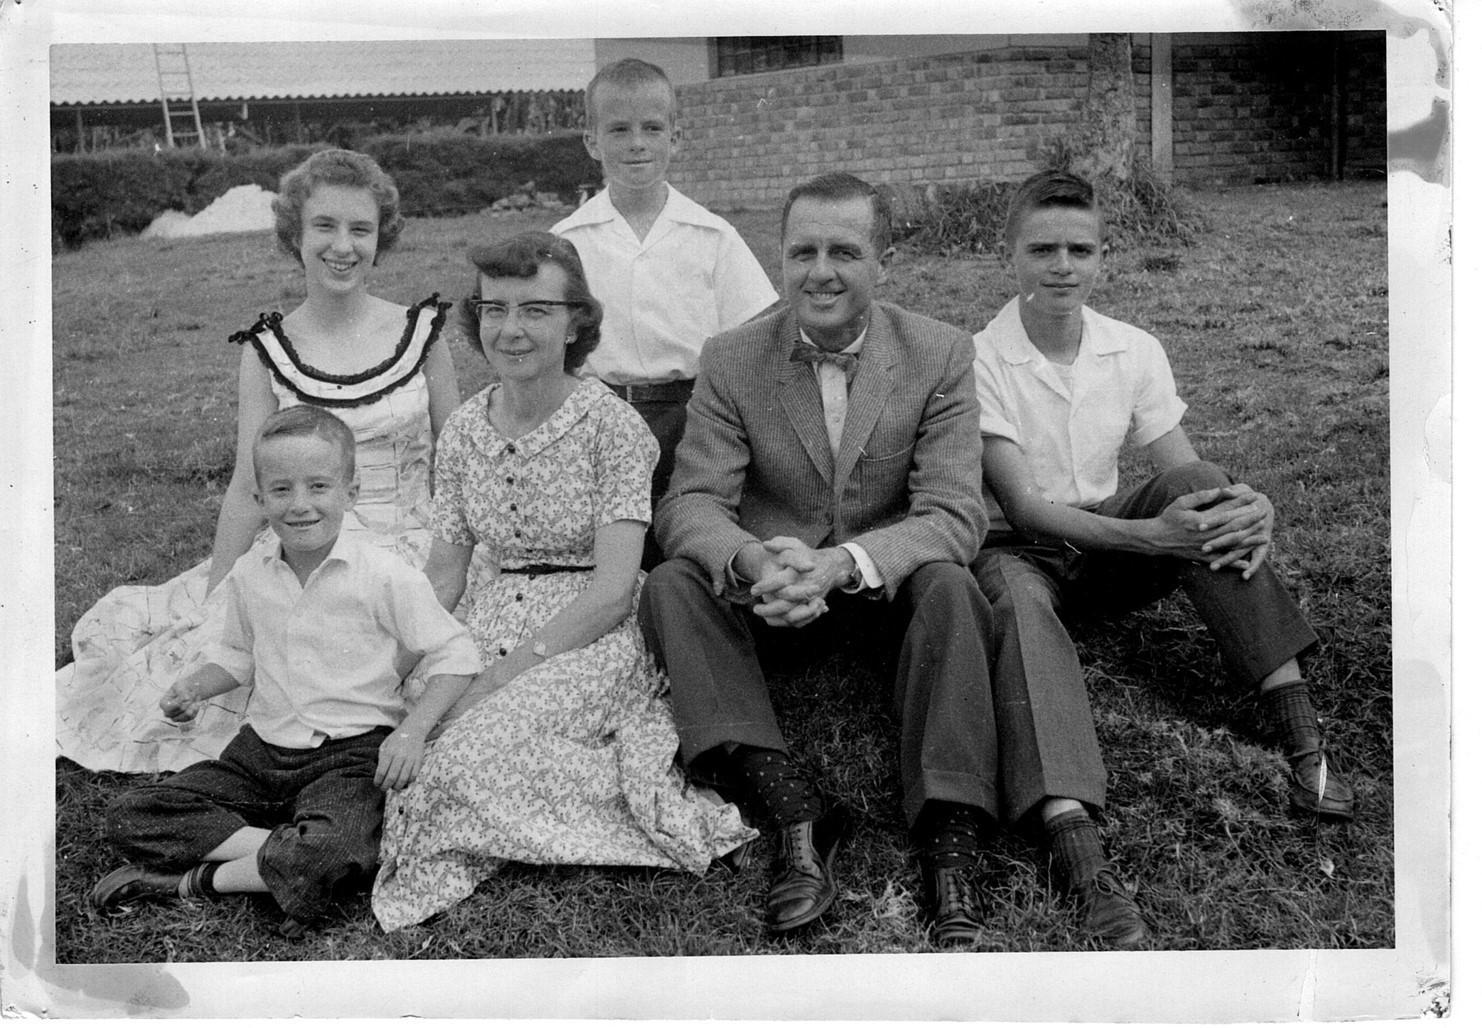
pixel 522 256
pixel 335 168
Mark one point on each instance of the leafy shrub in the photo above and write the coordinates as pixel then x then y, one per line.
pixel 119 192
pixel 1143 209
pixel 448 173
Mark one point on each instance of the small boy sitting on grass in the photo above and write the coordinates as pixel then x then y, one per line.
pixel 326 626
pixel 1061 387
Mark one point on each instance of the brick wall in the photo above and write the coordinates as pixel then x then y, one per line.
pixel 1248 108
pixel 1260 112
pixel 945 119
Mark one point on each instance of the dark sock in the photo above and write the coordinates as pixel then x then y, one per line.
pixel 947 833
pixel 199 882
pixel 778 786
pixel 1291 716
pixel 1075 847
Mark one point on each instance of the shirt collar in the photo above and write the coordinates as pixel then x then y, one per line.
pixel 853 347
pixel 342 552
pixel 1016 348
pixel 677 208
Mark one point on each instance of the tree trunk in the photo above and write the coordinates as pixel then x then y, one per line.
pixel 1110 127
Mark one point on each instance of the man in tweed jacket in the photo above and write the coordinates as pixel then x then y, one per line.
pixel 828 484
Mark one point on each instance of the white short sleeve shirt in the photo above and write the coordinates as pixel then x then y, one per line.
pixel 1120 389
pixel 690 278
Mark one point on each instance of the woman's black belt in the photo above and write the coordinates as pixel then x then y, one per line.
pixel 548 569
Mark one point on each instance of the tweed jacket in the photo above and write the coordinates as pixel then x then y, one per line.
pixel 755 460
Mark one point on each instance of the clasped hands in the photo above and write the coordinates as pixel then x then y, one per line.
pixel 1226 527
pixel 791 580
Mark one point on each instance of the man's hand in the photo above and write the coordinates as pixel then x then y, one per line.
pixel 1246 519
pixel 1228 526
pixel 795 593
pixel 400 759
pixel 180 703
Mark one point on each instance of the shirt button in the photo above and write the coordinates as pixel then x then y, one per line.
pixel 517 533
pixel 503 652
pixel 513 507
pixel 510 448
pixel 519 597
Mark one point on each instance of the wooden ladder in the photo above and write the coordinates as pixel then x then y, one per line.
pixel 178 96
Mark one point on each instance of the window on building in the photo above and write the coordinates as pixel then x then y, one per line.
pixel 747 55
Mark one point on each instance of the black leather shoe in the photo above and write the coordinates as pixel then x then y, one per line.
pixel 954 906
pixel 1108 913
pixel 133 883
pixel 1316 789
pixel 803 885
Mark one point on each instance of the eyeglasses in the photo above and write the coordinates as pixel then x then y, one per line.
pixel 531 312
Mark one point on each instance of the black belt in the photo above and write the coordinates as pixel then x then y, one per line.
pixel 664 392
pixel 547 569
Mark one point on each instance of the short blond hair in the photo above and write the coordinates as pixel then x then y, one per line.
pixel 628 73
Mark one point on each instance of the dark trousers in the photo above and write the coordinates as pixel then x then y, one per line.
pixel 322 805
pixel 710 649
pixel 1046 734
pixel 665 419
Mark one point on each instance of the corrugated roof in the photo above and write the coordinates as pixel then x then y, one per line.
pixel 94 73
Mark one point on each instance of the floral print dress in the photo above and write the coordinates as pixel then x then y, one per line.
pixel 573 761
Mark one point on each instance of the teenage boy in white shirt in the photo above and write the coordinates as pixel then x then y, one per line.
pixel 1061 387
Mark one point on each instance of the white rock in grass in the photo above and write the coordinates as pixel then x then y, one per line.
pixel 246 208
pixel 166 225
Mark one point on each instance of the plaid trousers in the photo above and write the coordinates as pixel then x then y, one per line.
pixel 321 804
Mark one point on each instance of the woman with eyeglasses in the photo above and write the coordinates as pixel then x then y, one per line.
pixel 383 368
pixel 562 751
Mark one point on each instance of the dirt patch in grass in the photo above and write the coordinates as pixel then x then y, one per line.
pixel 1275 322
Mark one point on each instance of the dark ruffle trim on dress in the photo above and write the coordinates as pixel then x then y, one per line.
pixel 273 322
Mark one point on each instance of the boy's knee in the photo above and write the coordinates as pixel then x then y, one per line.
pixel 1195 476
pixel 312 855
pixel 123 818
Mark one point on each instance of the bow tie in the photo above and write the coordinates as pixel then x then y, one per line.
pixel 810 353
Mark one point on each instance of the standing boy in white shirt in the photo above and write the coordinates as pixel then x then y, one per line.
pixel 669 273
pixel 1061 387
pixel 327 626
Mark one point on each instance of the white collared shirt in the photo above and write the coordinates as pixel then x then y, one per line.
pixel 690 278
pixel 1120 388
pixel 327 657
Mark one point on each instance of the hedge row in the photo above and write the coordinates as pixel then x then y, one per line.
pixel 100 195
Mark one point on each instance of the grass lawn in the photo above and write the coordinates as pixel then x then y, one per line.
pixel 1275 322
